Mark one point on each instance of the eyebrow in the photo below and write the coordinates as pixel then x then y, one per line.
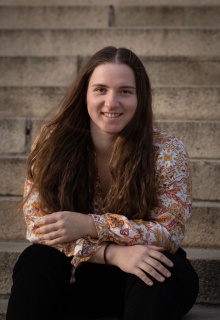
pixel 121 87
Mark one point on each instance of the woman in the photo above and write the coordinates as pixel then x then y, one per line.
pixel 107 199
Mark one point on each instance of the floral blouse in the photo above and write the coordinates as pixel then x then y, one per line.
pixel 166 226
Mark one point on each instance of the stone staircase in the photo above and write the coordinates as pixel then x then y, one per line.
pixel 42 47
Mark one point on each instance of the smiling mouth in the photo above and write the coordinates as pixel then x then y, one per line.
pixel 111 115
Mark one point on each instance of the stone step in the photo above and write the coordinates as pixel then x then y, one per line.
pixel 12 226
pixel 205 261
pixel 170 102
pixel 201 138
pixel 40 71
pixel 203 227
pixel 59 71
pixel 107 2
pixel 163 41
pixel 205 177
pixel 67 17
pixel 198 312
pixel 13 135
pixel 59 17
pixel 166 15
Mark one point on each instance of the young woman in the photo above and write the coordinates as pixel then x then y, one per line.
pixel 107 199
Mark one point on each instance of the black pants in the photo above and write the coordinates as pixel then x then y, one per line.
pixel 42 291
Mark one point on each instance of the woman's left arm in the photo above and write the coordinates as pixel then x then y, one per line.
pixel 167 223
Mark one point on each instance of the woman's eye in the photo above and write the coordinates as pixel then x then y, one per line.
pixel 101 90
pixel 125 91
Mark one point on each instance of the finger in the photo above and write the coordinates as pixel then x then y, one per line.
pixel 48 219
pixel 156 270
pixel 142 275
pixel 46 229
pixel 51 236
pixel 160 257
pixel 156 248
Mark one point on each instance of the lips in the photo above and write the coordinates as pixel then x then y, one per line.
pixel 111 115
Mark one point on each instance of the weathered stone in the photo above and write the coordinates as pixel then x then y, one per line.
pixel 37 71
pixel 201 138
pixel 12 221
pixel 166 16
pixel 186 103
pixel 29 102
pixel 13 135
pixel 12 173
pixel 60 17
pixel 183 71
pixel 207 263
pixel 204 225
pixel 169 103
pixel 109 2
pixel 145 41
pixel 205 179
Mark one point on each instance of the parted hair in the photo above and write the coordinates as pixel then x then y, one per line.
pixel 61 164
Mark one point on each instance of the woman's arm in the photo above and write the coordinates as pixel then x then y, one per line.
pixel 167 223
pixel 82 248
pixel 140 260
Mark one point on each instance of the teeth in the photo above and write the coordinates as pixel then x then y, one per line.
pixel 111 115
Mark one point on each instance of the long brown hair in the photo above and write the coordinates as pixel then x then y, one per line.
pixel 61 164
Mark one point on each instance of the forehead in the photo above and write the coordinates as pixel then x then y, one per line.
pixel 113 72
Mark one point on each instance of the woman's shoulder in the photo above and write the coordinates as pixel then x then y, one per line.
pixel 163 140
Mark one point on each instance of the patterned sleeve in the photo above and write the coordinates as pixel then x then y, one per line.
pixel 81 249
pixel 167 223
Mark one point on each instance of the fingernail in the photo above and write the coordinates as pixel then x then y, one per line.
pixel 168 274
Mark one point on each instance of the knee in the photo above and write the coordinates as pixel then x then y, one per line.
pixel 41 257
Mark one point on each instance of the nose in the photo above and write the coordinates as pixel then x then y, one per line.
pixel 111 100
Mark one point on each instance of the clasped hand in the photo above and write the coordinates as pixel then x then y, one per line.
pixel 64 226
pixel 142 261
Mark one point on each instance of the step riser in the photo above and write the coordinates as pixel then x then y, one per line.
pixel 205 178
pixel 201 139
pixel 54 17
pixel 84 41
pixel 28 71
pixel 170 103
pixel 97 16
pixel 203 227
pixel 186 103
pixel 60 71
pixel 12 221
pixel 13 135
pixel 108 2
pixel 166 16
pixel 12 171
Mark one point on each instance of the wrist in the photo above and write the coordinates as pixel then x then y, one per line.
pixel 90 227
pixel 109 253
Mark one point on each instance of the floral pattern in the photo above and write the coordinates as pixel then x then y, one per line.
pixel 167 224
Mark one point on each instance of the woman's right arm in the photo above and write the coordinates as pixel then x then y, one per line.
pixel 81 249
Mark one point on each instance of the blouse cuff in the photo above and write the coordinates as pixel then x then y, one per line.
pixel 101 226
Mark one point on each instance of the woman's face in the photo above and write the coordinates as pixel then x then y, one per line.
pixel 111 97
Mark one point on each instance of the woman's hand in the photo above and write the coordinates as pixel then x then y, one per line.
pixel 64 226
pixel 139 260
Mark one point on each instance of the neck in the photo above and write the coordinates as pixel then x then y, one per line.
pixel 103 143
